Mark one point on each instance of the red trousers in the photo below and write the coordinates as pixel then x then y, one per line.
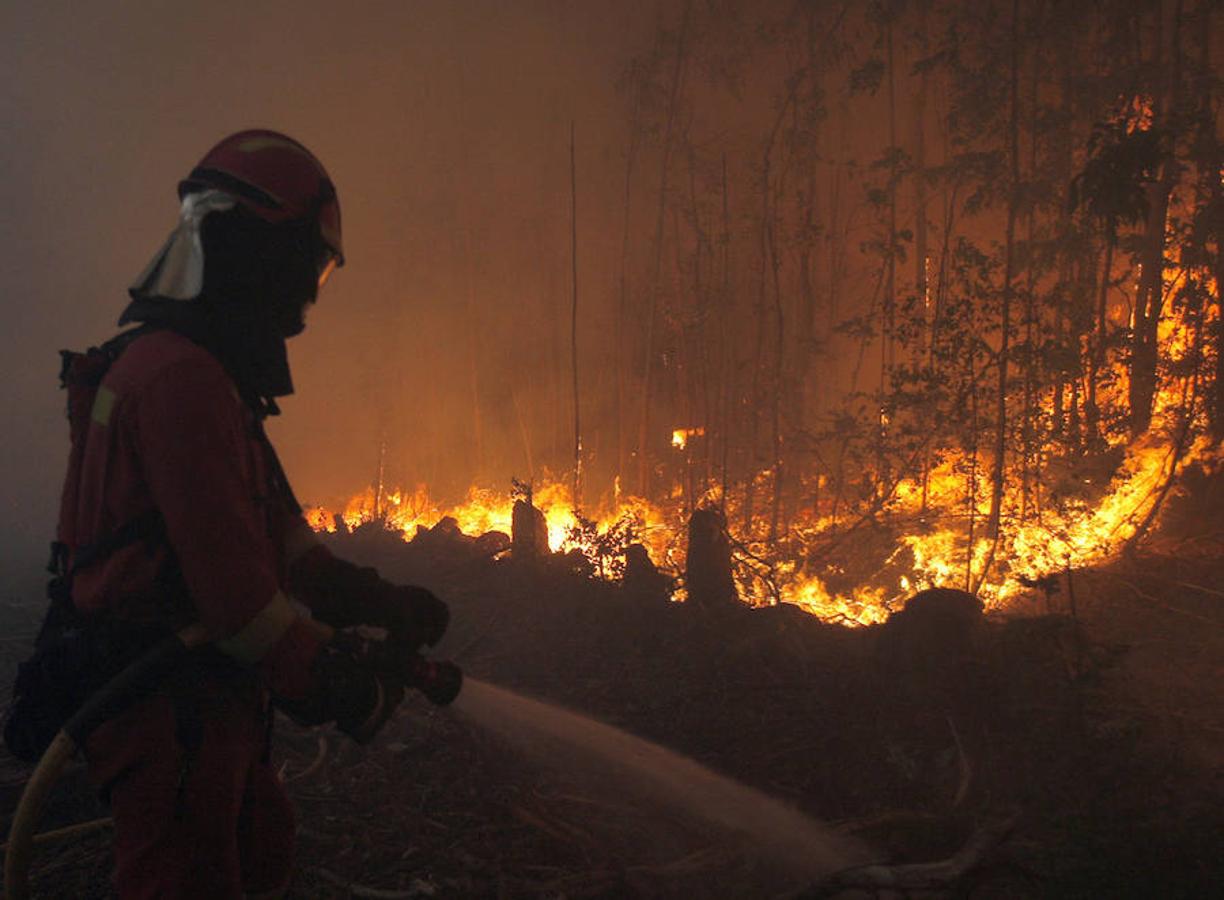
pixel 214 823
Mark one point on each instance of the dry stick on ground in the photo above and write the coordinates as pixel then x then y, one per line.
pixel 1199 587
pixel 554 827
pixel 67 832
pixel 360 890
pixel 315 765
pixel 1155 601
pixel 919 876
pixel 767 576
pixel 697 861
pixel 966 770
pixel 589 883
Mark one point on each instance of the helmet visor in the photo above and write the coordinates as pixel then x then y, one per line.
pixel 329 264
pixel 328 217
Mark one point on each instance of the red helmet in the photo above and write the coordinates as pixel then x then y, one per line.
pixel 276 179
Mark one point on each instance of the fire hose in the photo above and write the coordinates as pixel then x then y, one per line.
pixel 439 681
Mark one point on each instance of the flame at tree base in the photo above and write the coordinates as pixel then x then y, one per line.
pixel 937 541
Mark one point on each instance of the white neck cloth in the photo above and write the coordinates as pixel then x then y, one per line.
pixel 176 272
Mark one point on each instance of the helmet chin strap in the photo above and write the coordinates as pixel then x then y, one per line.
pixel 176 271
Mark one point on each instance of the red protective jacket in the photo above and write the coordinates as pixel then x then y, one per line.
pixel 169 432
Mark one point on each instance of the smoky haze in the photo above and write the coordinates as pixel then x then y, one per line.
pixel 446 129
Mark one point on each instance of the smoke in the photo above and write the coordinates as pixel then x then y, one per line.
pixel 446 129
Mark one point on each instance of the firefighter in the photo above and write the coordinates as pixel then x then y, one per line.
pixel 180 512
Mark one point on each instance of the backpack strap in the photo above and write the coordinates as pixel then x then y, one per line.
pixel 149 527
pixel 80 375
pixel 279 480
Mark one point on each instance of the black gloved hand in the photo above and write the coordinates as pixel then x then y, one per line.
pixel 414 615
pixel 346 691
pixel 343 595
pixel 439 680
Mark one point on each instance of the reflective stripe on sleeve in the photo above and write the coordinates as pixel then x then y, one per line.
pixel 103 406
pixel 259 635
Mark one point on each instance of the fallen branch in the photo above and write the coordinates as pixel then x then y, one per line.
pixel 918 876
pixel 697 861
pixel 314 766
pixel 360 890
pixel 1155 601
pixel 966 770
pixel 1199 587
pixel 877 505
pixel 908 819
pixel 553 827
pixel 67 832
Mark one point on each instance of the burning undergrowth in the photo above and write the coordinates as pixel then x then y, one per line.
pixel 853 569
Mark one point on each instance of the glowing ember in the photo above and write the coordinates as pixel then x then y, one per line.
pixel 681 436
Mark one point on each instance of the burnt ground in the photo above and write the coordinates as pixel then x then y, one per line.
pixel 1101 730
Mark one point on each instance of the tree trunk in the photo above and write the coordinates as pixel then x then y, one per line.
pixel 998 483
pixel 622 306
pixel 768 276
pixel 808 342
pixel 577 499
pixel 704 378
pixel 1029 436
pixel 890 284
pixel 888 350
pixel 1210 164
pixel 971 478
pixel 726 383
pixel 758 361
pixel 1074 424
pixel 1067 271
pixel 1096 351
pixel 643 443
pixel 474 353
pixel 1218 382
pixel 707 568
pixel 775 265
pixel 1149 300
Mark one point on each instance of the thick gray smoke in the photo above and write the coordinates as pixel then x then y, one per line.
pixel 446 128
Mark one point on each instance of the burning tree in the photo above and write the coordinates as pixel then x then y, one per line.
pixel 914 294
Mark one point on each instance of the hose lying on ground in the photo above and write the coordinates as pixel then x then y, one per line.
pixel 439 681
pixel 133 682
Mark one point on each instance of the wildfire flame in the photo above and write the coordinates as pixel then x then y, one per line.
pixel 484 510
pixel 940 535
pixel 680 436
pixel 1075 535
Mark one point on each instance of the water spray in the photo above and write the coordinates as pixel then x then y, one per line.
pixel 806 847
pixel 809 849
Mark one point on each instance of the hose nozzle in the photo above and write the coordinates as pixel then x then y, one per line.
pixel 439 680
